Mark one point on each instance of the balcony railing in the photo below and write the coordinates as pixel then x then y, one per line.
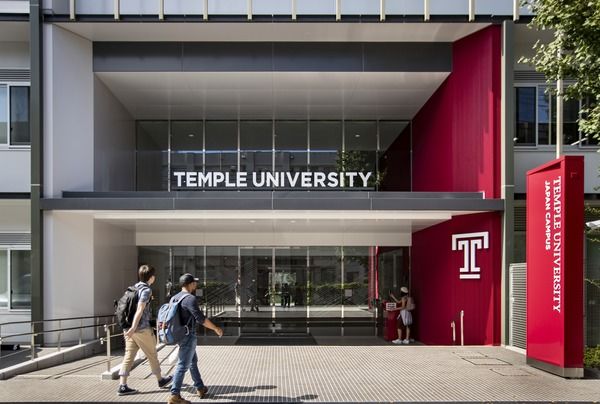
pixel 249 9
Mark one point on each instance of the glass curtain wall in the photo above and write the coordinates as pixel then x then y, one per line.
pixel 165 147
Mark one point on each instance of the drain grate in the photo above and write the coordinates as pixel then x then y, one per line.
pixel 486 361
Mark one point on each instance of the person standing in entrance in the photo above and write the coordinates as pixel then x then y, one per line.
pixel 405 306
pixel 188 359
pixel 140 336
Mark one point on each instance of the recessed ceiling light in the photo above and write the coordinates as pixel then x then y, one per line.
pixel 357 135
pixel 252 221
pixel 191 135
pixel 292 221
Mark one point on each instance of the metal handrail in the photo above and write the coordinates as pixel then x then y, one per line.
pixel 54 319
pixel 33 333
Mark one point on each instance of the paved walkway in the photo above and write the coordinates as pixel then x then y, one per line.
pixel 322 373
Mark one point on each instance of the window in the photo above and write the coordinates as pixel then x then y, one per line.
pixel 536 118
pixel 15 279
pixel 14 115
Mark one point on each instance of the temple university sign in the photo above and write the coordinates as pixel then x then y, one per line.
pixel 305 179
pixel 469 243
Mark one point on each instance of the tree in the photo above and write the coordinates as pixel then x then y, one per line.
pixel 574 52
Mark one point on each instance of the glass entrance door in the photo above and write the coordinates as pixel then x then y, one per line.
pixel 289 283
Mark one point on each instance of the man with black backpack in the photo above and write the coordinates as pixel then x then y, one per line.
pixel 136 329
pixel 190 314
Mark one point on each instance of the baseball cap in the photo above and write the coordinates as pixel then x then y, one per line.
pixel 404 289
pixel 186 279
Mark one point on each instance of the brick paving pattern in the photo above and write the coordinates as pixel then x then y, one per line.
pixel 323 373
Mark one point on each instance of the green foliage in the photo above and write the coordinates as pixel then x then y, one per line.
pixel 358 161
pixel 573 53
pixel 591 358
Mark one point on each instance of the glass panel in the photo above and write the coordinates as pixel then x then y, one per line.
pixel 3 114
pixel 445 7
pixel 543 109
pixel 186 148
pixel 360 153
pixel 291 145
pixel 570 126
pixel 404 7
pixel 592 291
pixel 256 147
pixel 325 145
pixel 152 155
pixel 322 7
pixel 20 279
pixel 3 278
pixel 255 290
pixel 289 283
pixel 360 7
pixel 357 267
pixel 19 116
pixel 589 140
pixel 325 292
pixel 238 7
pixel 221 276
pixel 272 7
pixel 394 169
pixel 393 270
pixel 525 116
pixel 166 284
pixel 221 142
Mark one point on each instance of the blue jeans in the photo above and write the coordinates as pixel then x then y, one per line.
pixel 187 360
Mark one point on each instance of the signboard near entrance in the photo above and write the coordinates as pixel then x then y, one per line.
pixel 555 267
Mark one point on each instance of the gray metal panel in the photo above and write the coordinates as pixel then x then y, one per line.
pixel 137 56
pixel 227 56
pixel 15 239
pixel 15 75
pixel 267 56
pixel 518 306
pixel 335 56
pixel 292 200
pixel 408 57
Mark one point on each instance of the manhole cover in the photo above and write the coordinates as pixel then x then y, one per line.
pixel 469 354
pixel 486 361
pixel 511 371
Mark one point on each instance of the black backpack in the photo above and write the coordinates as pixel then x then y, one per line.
pixel 126 306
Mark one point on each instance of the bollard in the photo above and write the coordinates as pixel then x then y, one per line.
pixel 59 332
pixel 32 341
pixel 107 348
pixel 453 326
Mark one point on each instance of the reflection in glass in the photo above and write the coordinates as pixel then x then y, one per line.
pixel 325 293
pixel 570 126
pixel 356 279
pixel 325 145
pixel 360 148
pixel 221 276
pixel 221 143
pixel 19 116
pixel 291 145
pixel 256 147
pixel 526 115
pixel 166 284
pixel 152 155
pixel 543 109
pixel 187 145
pixel 394 165
pixel 20 279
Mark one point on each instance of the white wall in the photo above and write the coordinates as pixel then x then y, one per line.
pixel 15 55
pixel 87 265
pixel 15 170
pixel 114 142
pixel 526 159
pixel 68 112
pixel 115 265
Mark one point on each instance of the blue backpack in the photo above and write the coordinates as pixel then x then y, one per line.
pixel 168 324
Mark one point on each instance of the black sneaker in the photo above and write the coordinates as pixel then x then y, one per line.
pixel 165 381
pixel 124 390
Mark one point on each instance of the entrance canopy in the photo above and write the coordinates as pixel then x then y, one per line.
pixel 273 228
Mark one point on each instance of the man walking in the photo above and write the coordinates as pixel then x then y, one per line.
pixel 189 314
pixel 140 336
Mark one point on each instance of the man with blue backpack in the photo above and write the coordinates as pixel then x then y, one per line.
pixel 181 330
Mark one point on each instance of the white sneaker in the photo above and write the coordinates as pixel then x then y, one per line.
pixel 411 340
pixel 405 342
pixel 397 342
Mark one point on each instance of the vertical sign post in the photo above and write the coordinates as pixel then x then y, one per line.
pixel 555 267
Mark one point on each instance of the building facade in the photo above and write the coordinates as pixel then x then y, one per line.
pixel 302 158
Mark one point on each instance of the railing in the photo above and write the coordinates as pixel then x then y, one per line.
pixel 60 330
pixel 206 9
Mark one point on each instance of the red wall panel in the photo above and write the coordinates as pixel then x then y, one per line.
pixel 439 292
pixel 456 135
